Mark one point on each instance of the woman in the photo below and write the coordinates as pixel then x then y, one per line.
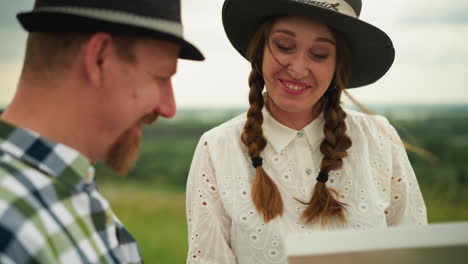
pixel 298 162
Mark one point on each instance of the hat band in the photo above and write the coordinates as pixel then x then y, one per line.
pixel 165 26
pixel 339 6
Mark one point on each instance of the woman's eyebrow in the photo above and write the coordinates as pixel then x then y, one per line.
pixel 292 34
pixel 285 31
pixel 324 39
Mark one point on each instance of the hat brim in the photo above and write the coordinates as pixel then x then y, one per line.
pixel 59 22
pixel 372 51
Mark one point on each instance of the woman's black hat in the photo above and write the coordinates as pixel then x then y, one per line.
pixel 372 51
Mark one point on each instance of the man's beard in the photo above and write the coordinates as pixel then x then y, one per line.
pixel 123 154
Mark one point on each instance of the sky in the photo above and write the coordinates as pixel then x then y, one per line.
pixel 430 39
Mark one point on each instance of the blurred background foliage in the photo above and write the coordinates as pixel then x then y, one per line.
pixel 151 199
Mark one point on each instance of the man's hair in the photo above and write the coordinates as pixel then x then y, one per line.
pixel 52 52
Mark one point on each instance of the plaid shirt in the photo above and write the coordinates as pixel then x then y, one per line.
pixel 50 210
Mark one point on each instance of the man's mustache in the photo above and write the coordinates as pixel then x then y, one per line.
pixel 149 118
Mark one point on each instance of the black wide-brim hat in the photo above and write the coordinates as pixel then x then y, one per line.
pixel 147 18
pixel 372 51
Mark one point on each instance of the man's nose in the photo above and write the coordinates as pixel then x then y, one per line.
pixel 167 104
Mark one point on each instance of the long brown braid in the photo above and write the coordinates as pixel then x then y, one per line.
pixel 265 194
pixel 323 204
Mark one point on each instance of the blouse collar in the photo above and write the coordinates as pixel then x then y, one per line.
pixel 279 135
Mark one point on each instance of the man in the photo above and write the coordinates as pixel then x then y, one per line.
pixel 94 73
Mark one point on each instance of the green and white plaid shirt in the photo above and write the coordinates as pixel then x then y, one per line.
pixel 50 210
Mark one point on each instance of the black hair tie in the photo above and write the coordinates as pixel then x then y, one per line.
pixel 322 177
pixel 257 161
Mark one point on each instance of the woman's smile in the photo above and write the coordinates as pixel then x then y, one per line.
pixel 293 87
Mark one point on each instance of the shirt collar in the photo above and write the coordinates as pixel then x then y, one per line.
pixel 279 135
pixel 59 161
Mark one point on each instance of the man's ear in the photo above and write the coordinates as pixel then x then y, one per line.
pixel 97 49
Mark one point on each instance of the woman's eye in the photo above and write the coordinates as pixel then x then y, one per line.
pixel 283 48
pixel 319 56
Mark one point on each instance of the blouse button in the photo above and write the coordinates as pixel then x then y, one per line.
pixel 300 133
pixel 308 171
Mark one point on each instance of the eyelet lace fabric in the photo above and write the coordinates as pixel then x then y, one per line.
pixel 376 182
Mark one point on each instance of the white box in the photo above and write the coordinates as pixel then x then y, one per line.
pixel 435 243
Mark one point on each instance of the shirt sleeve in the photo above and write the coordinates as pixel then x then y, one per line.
pixel 208 224
pixel 406 202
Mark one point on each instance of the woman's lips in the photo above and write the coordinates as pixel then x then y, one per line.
pixel 294 88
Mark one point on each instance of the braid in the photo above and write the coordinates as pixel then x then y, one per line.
pixel 336 141
pixel 323 204
pixel 265 194
pixel 253 134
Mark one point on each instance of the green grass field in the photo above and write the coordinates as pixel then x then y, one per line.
pixel 156 218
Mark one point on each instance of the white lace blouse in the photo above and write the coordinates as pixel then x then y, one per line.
pixel 376 182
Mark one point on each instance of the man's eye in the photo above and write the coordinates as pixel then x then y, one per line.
pixel 161 79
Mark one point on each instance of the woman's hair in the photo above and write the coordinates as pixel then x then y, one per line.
pixel 265 194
